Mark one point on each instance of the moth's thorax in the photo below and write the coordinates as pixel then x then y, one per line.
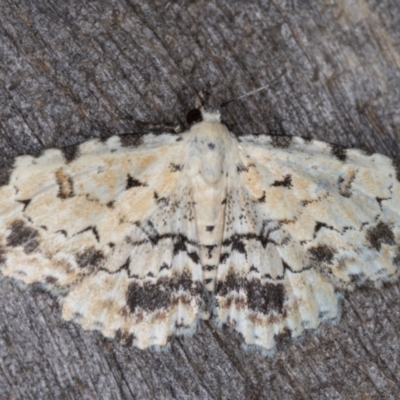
pixel 209 144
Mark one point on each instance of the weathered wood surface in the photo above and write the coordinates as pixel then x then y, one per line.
pixel 76 70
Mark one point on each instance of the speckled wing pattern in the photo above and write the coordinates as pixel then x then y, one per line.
pixel 110 226
pixel 303 219
pixel 143 236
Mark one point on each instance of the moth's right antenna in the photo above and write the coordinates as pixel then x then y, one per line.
pixel 225 103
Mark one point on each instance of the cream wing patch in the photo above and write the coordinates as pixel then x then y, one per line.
pixel 136 234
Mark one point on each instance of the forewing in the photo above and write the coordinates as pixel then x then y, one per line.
pixel 304 218
pixel 107 224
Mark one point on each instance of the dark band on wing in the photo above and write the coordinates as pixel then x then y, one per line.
pixel 151 296
pixel 380 234
pixel 23 235
pixel 70 153
pixel 339 152
pixel 90 257
pixel 260 297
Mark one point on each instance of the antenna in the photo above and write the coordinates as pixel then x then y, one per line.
pixel 225 103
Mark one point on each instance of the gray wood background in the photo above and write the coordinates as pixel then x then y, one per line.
pixel 74 70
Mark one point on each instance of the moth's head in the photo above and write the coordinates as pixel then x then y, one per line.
pixel 207 130
pixel 197 115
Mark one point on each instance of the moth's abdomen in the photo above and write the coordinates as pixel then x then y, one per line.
pixel 209 214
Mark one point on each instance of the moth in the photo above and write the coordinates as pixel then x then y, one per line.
pixel 142 237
